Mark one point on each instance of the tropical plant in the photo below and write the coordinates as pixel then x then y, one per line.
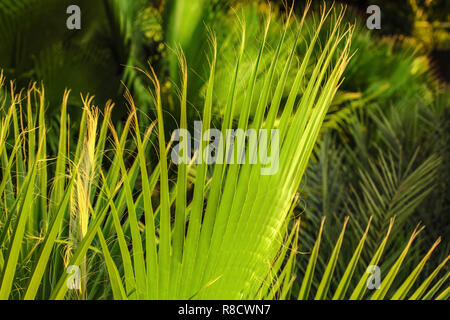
pixel 385 289
pixel 223 230
pixel 235 221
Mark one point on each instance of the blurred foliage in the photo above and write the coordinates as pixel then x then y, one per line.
pixel 118 33
pixel 36 45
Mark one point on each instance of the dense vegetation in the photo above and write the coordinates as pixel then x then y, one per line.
pixel 86 181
